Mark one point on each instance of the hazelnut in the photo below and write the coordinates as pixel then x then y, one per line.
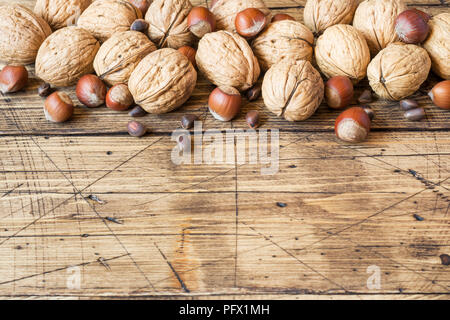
pixel 338 92
pixel 137 112
pixel 201 21
pixel 353 125
pixel 416 114
pixel 45 90
pixel 252 119
pixel 136 129
pixel 440 94
pixel 254 92
pixel 187 121
pixel 224 103
pixel 119 97
pixel 282 16
pixel 322 14
pixel 141 5
pixel 13 79
pixel 139 25
pixel 365 96
pixel 60 14
pixel 58 107
pixel 190 53
pixel 250 22
pixel 408 104
pixel 91 91
pixel 412 26
pixel 438 46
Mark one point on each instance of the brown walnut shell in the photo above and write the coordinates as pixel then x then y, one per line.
pixel 398 70
pixel 61 13
pixel 225 11
pixel 321 14
pixel 438 45
pixel 342 51
pixel 65 56
pixel 168 23
pixel 162 81
pixel 120 54
pixel 375 19
pixel 293 89
pixel 21 34
pixel 103 18
pixel 283 39
pixel 226 59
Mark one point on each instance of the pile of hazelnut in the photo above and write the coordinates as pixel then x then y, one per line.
pixel 145 55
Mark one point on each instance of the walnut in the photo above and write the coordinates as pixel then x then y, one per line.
pixel 168 23
pixel 66 56
pixel 321 14
pixel 226 11
pixel 21 34
pixel 398 70
pixel 162 81
pixel 60 13
pixel 103 18
pixel 375 19
pixel 293 89
pixel 342 51
pixel 226 59
pixel 438 44
pixel 283 39
pixel 120 54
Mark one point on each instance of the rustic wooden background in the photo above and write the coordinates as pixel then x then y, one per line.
pixel 215 231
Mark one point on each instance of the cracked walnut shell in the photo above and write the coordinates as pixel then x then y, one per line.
pixel 283 39
pixel 375 19
pixel 60 13
pixel 321 14
pixel 120 54
pixel 398 70
pixel 293 89
pixel 438 44
pixel 103 18
pixel 226 59
pixel 162 81
pixel 225 11
pixel 21 34
pixel 168 23
pixel 342 51
pixel 65 56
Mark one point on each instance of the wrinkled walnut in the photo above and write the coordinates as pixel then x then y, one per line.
pixel 321 14
pixel 162 81
pixel 103 18
pixel 226 59
pixel 293 89
pixel 168 23
pixel 398 70
pixel 438 45
pixel 225 11
pixel 342 51
pixel 283 39
pixel 120 54
pixel 375 19
pixel 21 34
pixel 60 13
pixel 65 56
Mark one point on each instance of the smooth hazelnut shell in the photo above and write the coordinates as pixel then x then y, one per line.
pixel 224 103
pixel 250 22
pixel 142 5
pixel 282 16
pixel 136 129
pixel 13 79
pixel 253 119
pixel 201 21
pixel 339 92
pixel 411 27
pixel 190 53
pixel 91 91
pixel 353 125
pixel 440 94
pixel 58 107
pixel 119 98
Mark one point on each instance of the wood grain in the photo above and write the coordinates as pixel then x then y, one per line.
pixel 85 196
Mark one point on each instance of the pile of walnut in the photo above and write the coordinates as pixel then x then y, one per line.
pixel 144 51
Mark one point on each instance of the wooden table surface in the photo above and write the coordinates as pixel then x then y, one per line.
pixel 216 231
